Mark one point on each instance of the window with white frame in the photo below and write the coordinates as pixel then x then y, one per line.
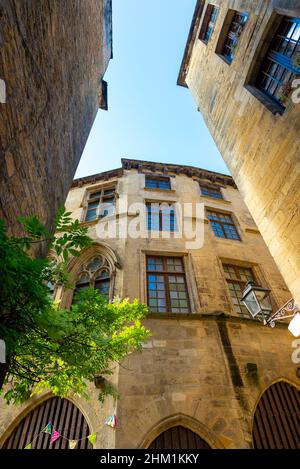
pixel 101 203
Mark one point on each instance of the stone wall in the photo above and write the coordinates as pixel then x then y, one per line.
pixel 185 371
pixel 260 148
pixel 53 56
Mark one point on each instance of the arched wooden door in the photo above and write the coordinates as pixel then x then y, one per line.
pixel 179 438
pixel 64 416
pixel 277 418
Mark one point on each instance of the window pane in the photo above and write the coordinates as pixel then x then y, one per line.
pixel 103 287
pixel 158 182
pixel 282 71
pixel 91 214
pixel 95 195
pixel 95 264
pixel 237 277
pixel 167 292
pixel 235 30
pixel 215 193
pixel 208 23
pixel 109 192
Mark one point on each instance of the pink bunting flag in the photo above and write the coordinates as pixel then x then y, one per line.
pixel 55 435
pixel 111 421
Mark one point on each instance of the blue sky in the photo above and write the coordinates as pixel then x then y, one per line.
pixel 149 116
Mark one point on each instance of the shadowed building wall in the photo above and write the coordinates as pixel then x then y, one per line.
pixel 53 56
pixel 240 62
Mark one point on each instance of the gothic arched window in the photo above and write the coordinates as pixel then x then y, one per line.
pixel 95 273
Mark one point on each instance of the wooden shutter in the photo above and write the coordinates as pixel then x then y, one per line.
pixel 277 418
pixel 65 417
pixel 179 438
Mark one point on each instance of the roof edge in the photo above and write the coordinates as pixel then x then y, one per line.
pixel 144 166
pixel 190 43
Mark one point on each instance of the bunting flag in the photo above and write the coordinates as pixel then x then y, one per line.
pixel 92 438
pixel 111 421
pixel 72 444
pixel 55 435
pixel 48 429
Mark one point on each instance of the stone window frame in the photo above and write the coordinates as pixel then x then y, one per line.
pixel 158 189
pixel 113 184
pixel 92 276
pixel 224 33
pixel 192 289
pixel 161 216
pixel 206 21
pixel 158 179
pixel 76 267
pixel 177 217
pixel 212 188
pixel 260 54
pixel 237 268
pixel 234 219
pixel 165 273
pixel 259 276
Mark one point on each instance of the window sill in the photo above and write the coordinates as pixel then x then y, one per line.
pixel 252 230
pixel 274 108
pixel 94 222
pixel 89 223
pixel 222 201
pixel 227 239
pixel 158 189
pixel 222 57
pixel 203 42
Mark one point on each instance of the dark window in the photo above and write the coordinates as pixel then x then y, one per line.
pixel 280 67
pixel 212 192
pixel 96 275
pixel 100 204
pixel 102 283
pixel 166 285
pixel 161 217
pixel 82 283
pixel 208 23
pixel 223 225
pixel 236 278
pixel 158 182
pixel 233 35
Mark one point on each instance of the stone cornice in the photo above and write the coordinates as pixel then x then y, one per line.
pixel 168 168
pixel 198 174
pixel 105 176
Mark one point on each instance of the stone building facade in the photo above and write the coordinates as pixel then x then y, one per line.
pixel 242 66
pixel 205 372
pixel 53 56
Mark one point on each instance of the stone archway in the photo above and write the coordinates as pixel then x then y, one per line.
pixel 179 437
pixel 276 423
pixel 190 430
pixel 65 417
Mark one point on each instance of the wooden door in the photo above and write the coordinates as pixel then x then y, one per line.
pixel 65 417
pixel 179 438
pixel 277 418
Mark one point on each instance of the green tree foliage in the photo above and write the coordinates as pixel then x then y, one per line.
pixel 48 347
